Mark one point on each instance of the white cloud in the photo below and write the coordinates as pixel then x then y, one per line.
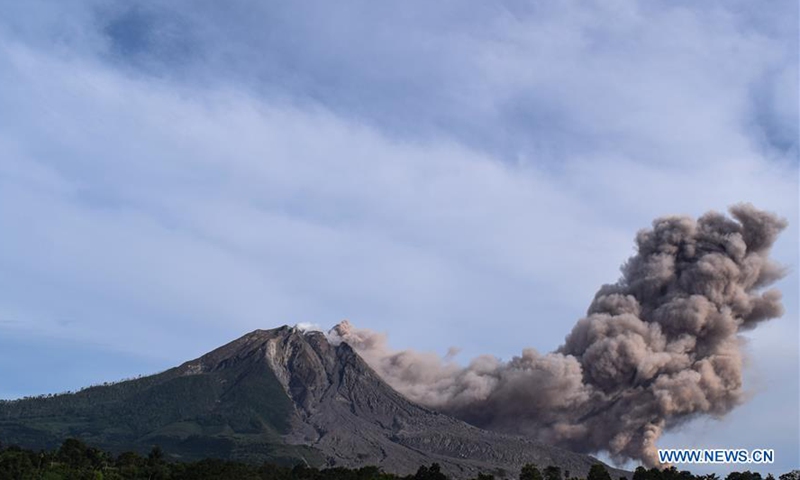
pixel 446 175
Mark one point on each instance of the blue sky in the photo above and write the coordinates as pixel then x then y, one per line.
pixel 175 174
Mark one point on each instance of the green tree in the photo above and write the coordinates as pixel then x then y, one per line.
pixel 269 471
pixel 598 472
pixel 157 468
pixel 793 475
pixel 746 475
pixel 130 465
pixel 16 464
pixel 530 472
pixel 73 453
pixel 368 473
pixel 434 472
pixel 552 473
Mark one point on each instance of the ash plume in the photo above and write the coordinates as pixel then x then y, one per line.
pixel 657 348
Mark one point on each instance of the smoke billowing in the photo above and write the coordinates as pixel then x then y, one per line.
pixel 656 348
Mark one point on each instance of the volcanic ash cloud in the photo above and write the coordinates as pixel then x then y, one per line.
pixel 655 349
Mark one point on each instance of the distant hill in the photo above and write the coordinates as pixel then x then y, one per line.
pixel 283 396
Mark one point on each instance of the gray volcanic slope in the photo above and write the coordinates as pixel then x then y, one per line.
pixel 346 411
pixel 279 395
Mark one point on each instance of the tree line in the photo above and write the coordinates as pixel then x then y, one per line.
pixel 74 460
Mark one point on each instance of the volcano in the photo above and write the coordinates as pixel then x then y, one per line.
pixel 285 396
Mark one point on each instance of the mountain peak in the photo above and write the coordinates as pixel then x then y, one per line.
pixel 285 395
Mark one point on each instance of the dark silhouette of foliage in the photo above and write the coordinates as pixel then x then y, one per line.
pixel 746 475
pixel 598 472
pixel 552 473
pixel 74 460
pixel 530 472
pixel 434 472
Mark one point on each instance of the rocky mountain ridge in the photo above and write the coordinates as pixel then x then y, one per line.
pixel 282 395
